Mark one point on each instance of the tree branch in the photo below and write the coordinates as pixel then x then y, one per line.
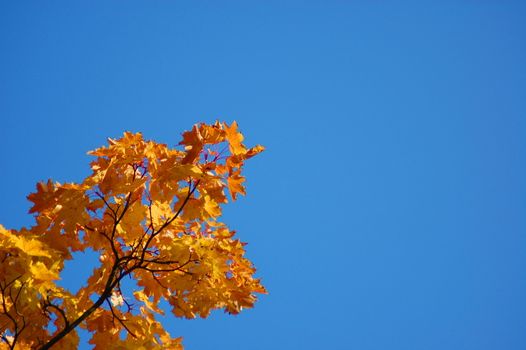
pixel 169 221
pixel 119 270
pixel 17 329
pixel 49 304
pixel 121 321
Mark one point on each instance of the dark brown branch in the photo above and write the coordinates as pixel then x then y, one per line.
pixel 145 264
pixel 116 221
pixel 169 221
pixel 166 270
pixel 158 281
pixel 110 284
pixel 114 217
pixel 151 218
pixel 17 329
pixel 129 306
pixel 121 321
pixel 121 216
pixel 176 215
pixel 119 270
pixel 49 304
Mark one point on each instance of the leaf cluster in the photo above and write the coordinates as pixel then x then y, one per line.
pixel 152 214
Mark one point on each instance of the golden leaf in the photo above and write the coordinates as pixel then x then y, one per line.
pixel 234 139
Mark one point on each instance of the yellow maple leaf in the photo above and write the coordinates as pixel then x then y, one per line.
pixel 235 138
pixel 235 185
pixel 211 207
pixel 150 305
pixel 193 142
pixel 31 247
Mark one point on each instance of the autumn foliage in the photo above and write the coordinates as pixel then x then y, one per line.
pixel 151 213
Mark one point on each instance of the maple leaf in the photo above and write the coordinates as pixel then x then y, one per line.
pixel 151 214
pixel 193 142
pixel 235 138
pixel 235 184
pixel 44 198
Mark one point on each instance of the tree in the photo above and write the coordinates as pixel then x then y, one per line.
pixel 151 213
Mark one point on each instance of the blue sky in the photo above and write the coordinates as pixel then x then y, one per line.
pixel 388 211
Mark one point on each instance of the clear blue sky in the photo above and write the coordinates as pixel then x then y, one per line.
pixel 389 210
